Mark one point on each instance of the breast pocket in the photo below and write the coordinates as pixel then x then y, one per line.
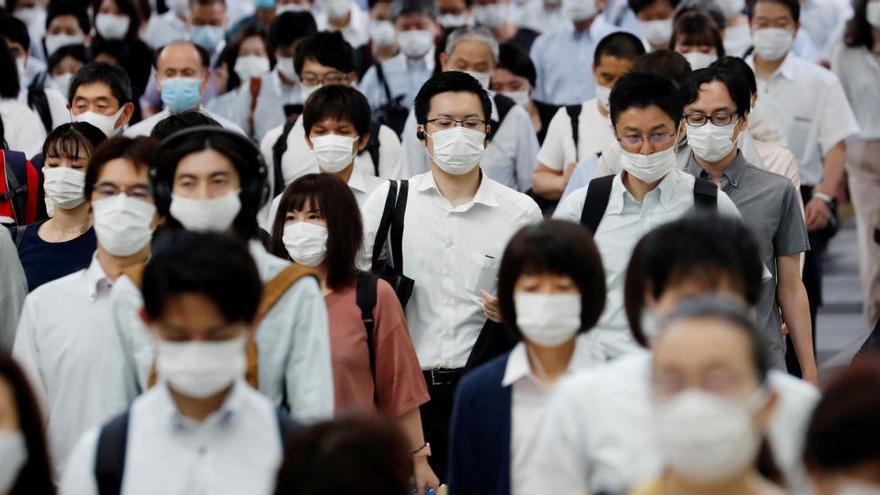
pixel 482 273
pixel 799 136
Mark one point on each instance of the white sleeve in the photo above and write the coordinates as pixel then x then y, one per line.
pixel 571 206
pixel 372 216
pixel 266 145
pixel 413 160
pixel 30 133
pixel 837 121
pixel 12 296
pixel 552 153
pixel 389 153
pixel 26 352
pixel 526 150
pixel 79 475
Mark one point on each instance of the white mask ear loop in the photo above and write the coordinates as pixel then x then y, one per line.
pixel 540 371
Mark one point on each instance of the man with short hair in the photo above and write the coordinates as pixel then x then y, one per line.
pixel 187 19
pixel 100 94
pixel 182 76
pixel 510 155
pixel 208 24
pixel 655 20
pixel 457 222
pixel 67 23
pixel 499 16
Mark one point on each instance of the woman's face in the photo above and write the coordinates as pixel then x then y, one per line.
pixel 546 283
pixel 687 48
pixel 8 410
pixel 309 213
pixel 253 46
pixel 67 65
pixel 56 158
pixel 110 7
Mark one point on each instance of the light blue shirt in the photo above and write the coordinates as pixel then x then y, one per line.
pixel 269 112
pixel 582 175
pixel 404 76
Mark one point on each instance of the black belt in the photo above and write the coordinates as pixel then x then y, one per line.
pixel 441 377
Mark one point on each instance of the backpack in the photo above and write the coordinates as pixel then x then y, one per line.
pixel 503 104
pixel 393 112
pixel 280 148
pixel 574 114
pixel 19 188
pixel 599 192
pixel 38 102
pixel 392 221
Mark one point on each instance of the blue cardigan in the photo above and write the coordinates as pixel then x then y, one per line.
pixel 479 437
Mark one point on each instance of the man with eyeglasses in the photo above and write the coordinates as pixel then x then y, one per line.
pixel 66 341
pixel 716 111
pixel 651 189
pixel 457 222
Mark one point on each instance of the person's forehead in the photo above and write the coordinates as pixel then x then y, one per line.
pixel 451 5
pixel 771 10
pixel 644 118
pixel 179 55
pixel 312 65
pixel 122 172
pixel 205 162
pixel 501 73
pixel 211 9
pixel 97 89
pixel 456 104
pixel 610 63
pixel 194 313
pixel 471 50
pixel 65 20
pixel 714 93
pixel 698 343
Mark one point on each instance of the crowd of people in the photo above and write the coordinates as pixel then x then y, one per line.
pixel 417 246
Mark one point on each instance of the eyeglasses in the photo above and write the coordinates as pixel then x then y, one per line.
pixel 473 124
pixel 656 139
pixel 717 118
pixel 142 193
pixel 328 79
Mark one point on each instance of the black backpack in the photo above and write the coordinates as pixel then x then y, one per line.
pixel 38 102
pixel 393 113
pixel 599 192
pixel 392 222
pixel 503 104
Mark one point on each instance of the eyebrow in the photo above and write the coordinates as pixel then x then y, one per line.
pixel 657 127
pixel 449 116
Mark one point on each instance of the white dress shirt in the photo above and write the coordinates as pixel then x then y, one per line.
pixel 69 349
pixel 595 435
pixel 235 450
pixel 57 105
pixel 405 76
pixel 293 342
pixel 509 158
pixel 14 290
pixel 859 73
pixel 145 127
pixel 163 29
pixel 624 223
pixel 357 32
pixel 451 253
pixel 595 134
pixel 22 127
pixel 269 112
pixel 530 398
pixel 536 16
pixel 807 103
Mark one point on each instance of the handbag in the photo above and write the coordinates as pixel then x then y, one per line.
pixel 392 222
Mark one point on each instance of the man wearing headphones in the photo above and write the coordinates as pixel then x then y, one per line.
pixel 208 179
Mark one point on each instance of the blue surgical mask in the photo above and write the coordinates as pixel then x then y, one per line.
pixel 181 93
pixel 207 37
pixel 264 4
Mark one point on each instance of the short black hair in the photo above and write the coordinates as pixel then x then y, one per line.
pixel 619 45
pixel 517 61
pixel 15 30
pixel 290 27
pixel 137 150
pixel 62 8
pixel 639 5
pixel 181 120
pixel 9 86
pixel 556 247
pixel 68 140
pixel 112 75
pixel 736 86
pixel 793 6
pixel 705 247
pixel 204 56
pixel 326 48
pixel 213 265
pixel 642 90
pixel 708 7
pixel 335 202
pixel 77 52
pixel 697 28
pixel 427 8
pixel 667 63
pixel 338 102
pixel 449 82
pixel 739 67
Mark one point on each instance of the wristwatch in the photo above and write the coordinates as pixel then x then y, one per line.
pixel 824 197
pixel 423 451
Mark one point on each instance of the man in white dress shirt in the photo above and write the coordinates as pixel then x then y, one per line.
pixel 101 95
pixel 457 222
pixel 202 429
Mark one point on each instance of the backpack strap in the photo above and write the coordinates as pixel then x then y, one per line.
pixel 19 235
pixel 373 145
pixel 278 150
pixel 705 195
pixel 574 114
pixel 15 164
pixel 384 225
pixel 278 286
pixel 110 455
pixel 380 74
pixel 397 227
pixel 366 294
pixel 286 427
pixel 596 202
pixel 503 104
pixel 37 100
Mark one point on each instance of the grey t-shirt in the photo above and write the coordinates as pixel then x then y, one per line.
pixel 13 291
pixel 769 206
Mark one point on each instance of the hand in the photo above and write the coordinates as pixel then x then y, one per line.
pixel 568 170
pixel 424 475
pixel 816 214
pixel 491 310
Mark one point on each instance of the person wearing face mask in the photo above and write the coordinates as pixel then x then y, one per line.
pixel 594 437
pixel 390 86
pixel 347 18
pixel 383 36
pixel 542 16
pixel 711 403
pixel 716 111
pixel 374 364
pixel 839 450
pixel 182 75
pixel 646 113
pixel 33 14
pixel 509 157
pixel 169 26
pixel 326 59
pixel 453 14
pixel 201 294
pixel 67 23
pixel 65 339
pixel 213 180
pixel 100 94
pixel 208 24
pixel 20 42
pixel 551 290
pixel 242 64
pixel 808 104
pixel 515 77
pixel 28 131
pixel 696 36
pixel 499 16
pixel 655 21
pixel 26 467
pixel 66 242
pixel 457 221
pixel 578 132
pixel 61 68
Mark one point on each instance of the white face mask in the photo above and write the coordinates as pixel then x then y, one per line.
pixel 13 451
pixel 706 438
pixel 579 10
pixel 856 487
pixel 711 142
pixel 650 324
pixel 308 90
pixel 306 243
pixel 548 320
pixel 520 97
pixel 872 13
pixel 731 8
pixel 112 26
pixel 200 369
pixel 34 17
pixel 251 66
pixel 482 77
pixel 123 224
pixel 64 187
pixel 56 41
pixel 415 44
pixel 334 152
pixel 337 9
pixel 382 33
pixel 452 21
pixel 107 123
pixel 61 82
pixel 206 215
pixel 657 32
pixel 492 16
pixel 457 151
pixel 699 60
pixel 772 43
pixel 603 93
pixel 286 68
pixel 649 168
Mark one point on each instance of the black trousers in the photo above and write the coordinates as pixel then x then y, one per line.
pixel 436 415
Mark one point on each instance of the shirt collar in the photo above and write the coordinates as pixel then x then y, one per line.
pixel 786 69
pixel 667 188
pixel 356 180
pixel 733 172
pixel 425 63
pixel 518 366
pixel 96 279
pixel 224 416
pixel 485 194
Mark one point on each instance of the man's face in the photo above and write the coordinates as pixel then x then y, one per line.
pixel 414 22
pixel 658 11
pixel 773 15
pixel 121 176
pixel 645 130
pixel 212 14
pixel 381 11
pixel 610 69
pixel 460 106
pixel 315 74
pixel 714 100
pixel 65 24
pixel 204 175
pixel 180 60
pixel 96 97
pixel 67 65
pixel 454 7
pixel 193 317
pixel 469 56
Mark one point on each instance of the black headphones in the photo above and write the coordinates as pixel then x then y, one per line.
pixel 253 174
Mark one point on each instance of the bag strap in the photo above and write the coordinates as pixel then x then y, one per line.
pixel 380 74
pixel 15 164
pixel 366 294
pixel 596 202
pixel 37 100
pixel 574 114
pixel 286 427
pixel 503 104
pixel 110 455
pixel 705 195
pixel 19 235
pixel 275 289
pixel 397 227
pixel 384 225
pixel 373 145
pixel 278 150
